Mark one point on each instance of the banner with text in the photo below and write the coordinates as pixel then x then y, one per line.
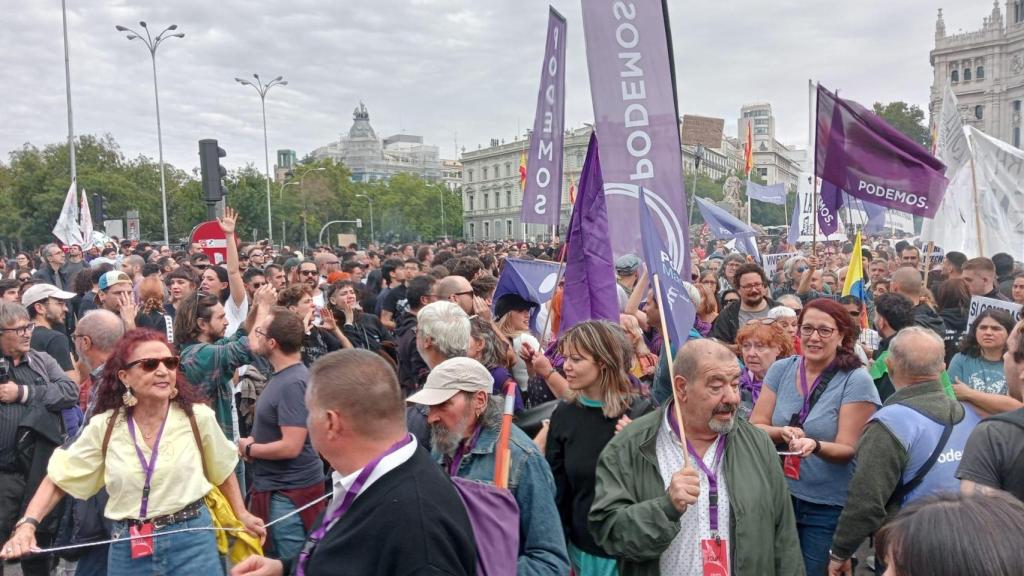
pixel 805 221
pixel 636 120
pixel 980 303
pixel 770 261
pixel 542 197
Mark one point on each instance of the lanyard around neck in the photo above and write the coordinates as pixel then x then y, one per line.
pixel 147 467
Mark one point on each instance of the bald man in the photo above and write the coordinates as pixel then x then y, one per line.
pixel 357 423
pixel 654 530
pixel 908 283
pixel 897 458
pixel 458 290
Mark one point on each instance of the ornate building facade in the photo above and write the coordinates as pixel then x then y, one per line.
pixel 985 68
pixel 370 158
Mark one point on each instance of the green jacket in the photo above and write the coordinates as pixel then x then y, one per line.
pixel 633 519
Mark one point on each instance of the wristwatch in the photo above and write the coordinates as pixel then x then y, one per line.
pixel 248 449
pixel 27 520
pixel 817 446
pixel 833 557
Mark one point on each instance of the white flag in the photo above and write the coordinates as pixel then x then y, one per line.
pixel 85 220
pixel 66 230
pixel 999 170
pixel 947 228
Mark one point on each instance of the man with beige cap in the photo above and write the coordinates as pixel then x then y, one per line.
pixel 464 423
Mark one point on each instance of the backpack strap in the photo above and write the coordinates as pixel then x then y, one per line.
pixel 903 489
pixel 198 439
pixel 109 432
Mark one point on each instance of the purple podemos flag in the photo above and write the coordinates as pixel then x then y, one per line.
pixel 590 292
pixel 676 306
pixel 859 153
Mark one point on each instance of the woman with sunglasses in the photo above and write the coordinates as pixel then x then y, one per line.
pixel 814 406
pixel 142 445
pixel 759 344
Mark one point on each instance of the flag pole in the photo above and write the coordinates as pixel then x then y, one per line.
pixel 666 342
pixel 977 207
pixel 814 178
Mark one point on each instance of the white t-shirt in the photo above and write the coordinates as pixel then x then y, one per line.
pixel 235 314
pixel 519 372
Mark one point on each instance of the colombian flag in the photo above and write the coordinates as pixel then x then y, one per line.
pixel 522 171
pixel 854 285
pixel 748 153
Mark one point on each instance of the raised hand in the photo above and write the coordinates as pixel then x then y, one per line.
pixel 228 221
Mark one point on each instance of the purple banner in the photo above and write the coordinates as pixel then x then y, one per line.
pixel 636 121
pixel 861 154
pixel 830 200
pixel 542 198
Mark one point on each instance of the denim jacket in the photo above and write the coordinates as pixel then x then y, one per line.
pixel 541 539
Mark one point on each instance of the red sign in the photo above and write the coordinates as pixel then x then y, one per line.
pixel 212 240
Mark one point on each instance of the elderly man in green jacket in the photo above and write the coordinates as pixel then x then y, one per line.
pixel 714 504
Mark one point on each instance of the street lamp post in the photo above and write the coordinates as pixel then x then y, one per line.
pixel 262 90
pixel 305 238
pixel 152 43
pixel 370 200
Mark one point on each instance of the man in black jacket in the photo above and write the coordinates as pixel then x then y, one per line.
pixel 357 423
pixel 754 303
pixel 412 369
pixel 52 272
pixel 907 281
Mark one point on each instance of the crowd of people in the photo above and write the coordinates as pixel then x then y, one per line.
pixel 344 412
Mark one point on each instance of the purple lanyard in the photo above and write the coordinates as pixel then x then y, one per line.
pixel 346 503
pixel 461 451
pixel 712 479
pixel 807 391
pixel 147 467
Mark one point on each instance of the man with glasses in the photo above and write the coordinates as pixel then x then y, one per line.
pixel 32 397
pixel 412 369
pixel 52 272
pixel 200 262
pixel 754 303
pixel 256 258
pixel 326 263
pixel 47 309
pixel 287 472
pixel 254 279
pixel 458 290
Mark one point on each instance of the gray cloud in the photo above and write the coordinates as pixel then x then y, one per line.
pixel 431 67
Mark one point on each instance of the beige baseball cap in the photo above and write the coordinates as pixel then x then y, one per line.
pixel 451 377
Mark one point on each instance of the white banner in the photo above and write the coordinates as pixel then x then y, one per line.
pixel 807 213
pixel 980 303
pixel 66 229
pixel 770 261
pixel 1000 178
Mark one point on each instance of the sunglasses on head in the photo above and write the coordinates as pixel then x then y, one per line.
pixel 150 364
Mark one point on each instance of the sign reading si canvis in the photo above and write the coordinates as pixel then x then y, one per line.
pixel 980 303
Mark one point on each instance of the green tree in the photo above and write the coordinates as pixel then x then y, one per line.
pixel 905 118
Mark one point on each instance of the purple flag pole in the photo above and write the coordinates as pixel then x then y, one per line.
pixel 542 197
pixel 590 292
pixel 631 82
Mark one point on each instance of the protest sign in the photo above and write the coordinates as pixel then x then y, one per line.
pixel 770 261
pixel 980 303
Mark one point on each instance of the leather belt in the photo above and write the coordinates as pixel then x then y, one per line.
pixel 189 512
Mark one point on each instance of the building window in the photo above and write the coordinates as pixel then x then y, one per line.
pixel 497 172
pixel 979 74
pixel 967 74
pixel 508 228
pixel 497 228
pixel 487 229
pixel 1016 136
pixel 471 203
pixel 508 197
pixel 487 201
pixel 954 77
pixel 762 172
pixel 1016 105
pixel 469 175
pixel 472 230
pixel 979 112
pixel 485 172
pixel 508 169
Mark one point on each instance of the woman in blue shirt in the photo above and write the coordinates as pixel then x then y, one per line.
pixel 977 369
pixel 815 406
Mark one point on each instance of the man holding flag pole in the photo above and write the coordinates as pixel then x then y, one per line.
pixel 659 475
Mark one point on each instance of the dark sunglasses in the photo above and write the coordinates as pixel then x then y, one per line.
pixel 201 266
pixel 308 272
pixel 150 364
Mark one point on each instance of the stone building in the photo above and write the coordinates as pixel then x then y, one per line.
pixel 985 68
pixel 773 160
pixel 370 158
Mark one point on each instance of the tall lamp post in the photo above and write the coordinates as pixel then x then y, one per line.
pixel 152 43
pixel 305 237
pixel 262 90
pixel 370 200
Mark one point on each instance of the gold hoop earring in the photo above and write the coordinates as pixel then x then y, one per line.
pixel 128 398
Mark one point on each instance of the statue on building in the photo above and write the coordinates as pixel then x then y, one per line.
pixel 360 112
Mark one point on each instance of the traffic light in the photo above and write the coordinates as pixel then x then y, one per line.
pixel 212 172
pixel 97 202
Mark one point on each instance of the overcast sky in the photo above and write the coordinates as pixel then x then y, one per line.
pixel 450 70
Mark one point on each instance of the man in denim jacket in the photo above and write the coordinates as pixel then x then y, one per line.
pixel 464 424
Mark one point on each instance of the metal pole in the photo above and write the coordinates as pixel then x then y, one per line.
pixel 373 237
pixel 266 157
pixel 444 231
pixel 305 219
pixel 160 147
pixel 67 82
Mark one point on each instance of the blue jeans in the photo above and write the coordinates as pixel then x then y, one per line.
pixel 815 525
pixel 184 554
pixel 288 535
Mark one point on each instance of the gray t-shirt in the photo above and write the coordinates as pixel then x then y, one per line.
pixel 994 457
pixel 748 315
pixel 821 482
pixel 283 403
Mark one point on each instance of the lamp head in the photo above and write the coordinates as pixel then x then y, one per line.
pixel 178 35
pixel 172 27
pixel 120 28
pixel 132 36
pixel 283 83
pixel 142 23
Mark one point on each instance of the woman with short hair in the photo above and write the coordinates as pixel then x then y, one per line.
pixel 759 344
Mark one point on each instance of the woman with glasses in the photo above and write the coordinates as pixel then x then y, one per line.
pixel 814 406
pixel 759 344
pixel 159 451
pixel 24 265
pixel 977 370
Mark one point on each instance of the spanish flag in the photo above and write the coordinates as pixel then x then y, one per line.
pixel 522 171
pixel 854 285
pixel 748 152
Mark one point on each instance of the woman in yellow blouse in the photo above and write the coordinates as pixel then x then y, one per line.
pixel 151 466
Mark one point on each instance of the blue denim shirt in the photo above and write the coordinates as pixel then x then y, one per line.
pixel 541 538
